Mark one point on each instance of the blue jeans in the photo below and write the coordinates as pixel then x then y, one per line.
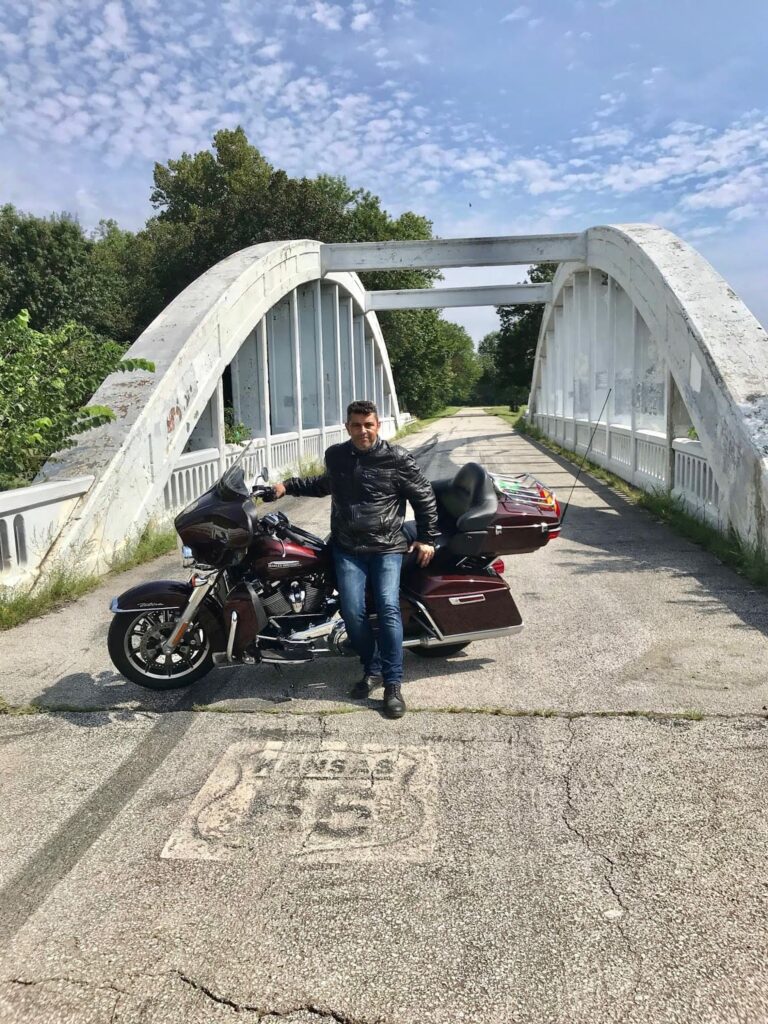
pixel 383 573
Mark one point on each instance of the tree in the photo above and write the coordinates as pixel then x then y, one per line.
pixel 518 336
pixel 486 391
pixel 462 362
pixel 44 268
pixel 45 380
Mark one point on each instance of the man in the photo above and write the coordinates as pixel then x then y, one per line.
pixel 370 481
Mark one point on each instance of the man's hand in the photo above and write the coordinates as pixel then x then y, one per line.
pixel 279 490
pixel 424 552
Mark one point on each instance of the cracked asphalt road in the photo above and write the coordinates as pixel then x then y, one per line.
pixel 567 826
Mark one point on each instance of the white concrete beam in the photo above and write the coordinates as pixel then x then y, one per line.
pixel 453 252
pixel 441 298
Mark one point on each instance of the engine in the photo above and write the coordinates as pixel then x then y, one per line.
pixel 304 596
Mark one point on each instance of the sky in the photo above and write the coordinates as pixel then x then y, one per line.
pixel 488 117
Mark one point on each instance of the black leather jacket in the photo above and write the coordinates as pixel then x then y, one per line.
pixel 369 493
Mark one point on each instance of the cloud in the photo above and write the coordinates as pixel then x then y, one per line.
pixel 605 139
pixel 737 190
pixel 328 15
pixel 363 20
pixel 517 15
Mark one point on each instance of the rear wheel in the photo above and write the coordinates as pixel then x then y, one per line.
pixel 135 646
pixel 444 651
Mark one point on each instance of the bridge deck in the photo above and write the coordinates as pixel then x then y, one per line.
pixel 544 867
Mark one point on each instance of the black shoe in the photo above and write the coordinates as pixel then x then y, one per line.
pixel 394 705
pixel 363 687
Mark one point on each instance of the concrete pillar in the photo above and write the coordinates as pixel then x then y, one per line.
pixel 370 367
pixel 331 369
pixel 308 321
pixel 569 354
pixel 318 300
pixel 261 342
pixel 624 355
pixel 296 350
pixel 582 337
pixel 554 348
pixel 633 420
pixel 600 347
pixel 347 353
pixel 337 341
pixel 358 339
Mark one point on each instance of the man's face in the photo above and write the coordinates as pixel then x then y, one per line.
pixel 363 428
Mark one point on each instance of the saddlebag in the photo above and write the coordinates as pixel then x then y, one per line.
pixel 461 603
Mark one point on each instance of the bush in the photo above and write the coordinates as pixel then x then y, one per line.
pixel 45 380
pixel 518 396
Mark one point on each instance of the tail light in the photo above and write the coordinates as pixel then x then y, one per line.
pixel 498 566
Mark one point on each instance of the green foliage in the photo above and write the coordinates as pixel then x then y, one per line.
pixel 234 433
pixel 506 356
pixel 518 337
pixel 44 267
pixel 45 379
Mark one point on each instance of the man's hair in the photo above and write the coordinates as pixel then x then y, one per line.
pixel 362 408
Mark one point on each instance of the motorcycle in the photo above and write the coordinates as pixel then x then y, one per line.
pixel 262 590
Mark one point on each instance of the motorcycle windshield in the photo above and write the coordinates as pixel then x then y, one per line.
pixel 232 481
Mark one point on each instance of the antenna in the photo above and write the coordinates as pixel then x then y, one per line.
pixel 586 453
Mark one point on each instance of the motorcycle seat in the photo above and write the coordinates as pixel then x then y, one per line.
pixel 466 503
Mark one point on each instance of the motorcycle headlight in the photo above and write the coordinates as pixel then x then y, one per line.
pixel 187 558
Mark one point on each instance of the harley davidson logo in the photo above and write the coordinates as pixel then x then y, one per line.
pixel 284 564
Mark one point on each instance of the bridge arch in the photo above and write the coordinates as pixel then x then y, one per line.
pixel 298 348
pixel 644 315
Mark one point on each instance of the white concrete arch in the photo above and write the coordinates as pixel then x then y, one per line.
pixel 645 314
pixel 192 342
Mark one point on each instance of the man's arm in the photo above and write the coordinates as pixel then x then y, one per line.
pixel 304 486
pixel 418 490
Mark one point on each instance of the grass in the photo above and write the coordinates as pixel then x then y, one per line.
pixel 414 425
pixel 692 715
pixel 512 418
pixel 308 465
pixel 750 562
pixel 65 583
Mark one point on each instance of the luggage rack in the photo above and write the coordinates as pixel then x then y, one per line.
pixel 525 489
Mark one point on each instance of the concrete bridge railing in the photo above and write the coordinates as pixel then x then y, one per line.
pixel 644 343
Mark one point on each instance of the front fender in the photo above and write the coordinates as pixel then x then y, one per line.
pixel 158 595
pixel 172 595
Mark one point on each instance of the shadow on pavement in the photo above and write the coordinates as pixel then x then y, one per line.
pixel 108 694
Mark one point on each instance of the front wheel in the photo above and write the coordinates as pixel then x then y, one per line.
pixel 444 651
pixel 135 646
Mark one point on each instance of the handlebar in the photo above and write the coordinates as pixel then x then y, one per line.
pixel 265 492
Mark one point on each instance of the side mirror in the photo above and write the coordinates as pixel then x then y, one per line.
pixel 264 473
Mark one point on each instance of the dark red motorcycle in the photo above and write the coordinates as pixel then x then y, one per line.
pixel 263 590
